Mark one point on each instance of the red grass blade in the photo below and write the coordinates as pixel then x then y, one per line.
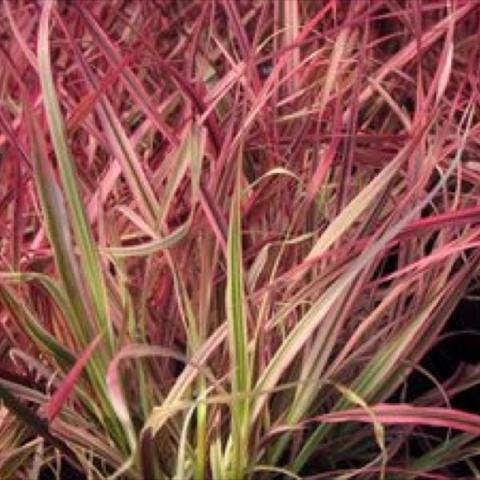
pixel 59 398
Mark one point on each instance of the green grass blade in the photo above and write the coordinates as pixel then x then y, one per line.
pixel 88 252
pixel 238 339
pixel 34 329
pixel 58 229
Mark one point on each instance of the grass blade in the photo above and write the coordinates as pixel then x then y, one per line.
pixel 90 259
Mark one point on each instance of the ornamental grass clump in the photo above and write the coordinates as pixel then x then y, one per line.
pixel 231 231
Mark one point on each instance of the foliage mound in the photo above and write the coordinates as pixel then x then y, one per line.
pixel 231 230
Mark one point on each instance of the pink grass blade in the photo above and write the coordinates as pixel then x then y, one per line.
pixel 404 414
